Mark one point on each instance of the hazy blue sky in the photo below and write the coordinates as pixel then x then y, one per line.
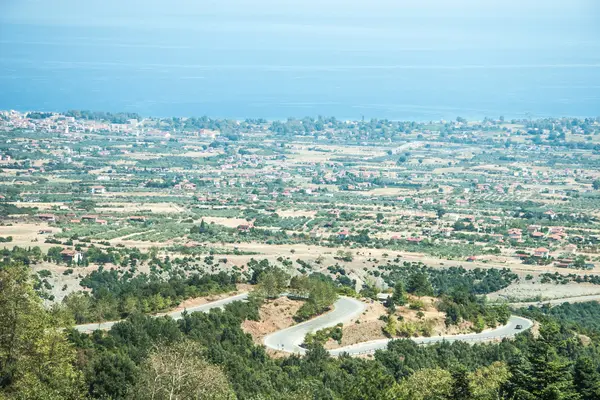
pixel 444 20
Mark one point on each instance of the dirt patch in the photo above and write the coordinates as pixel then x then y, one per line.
pixel 363 328
pixel 296 213
pixel 274 315
pixel 585 340
pixel 157 208
pixel 228 222
pixel 62 285
pixel 28 235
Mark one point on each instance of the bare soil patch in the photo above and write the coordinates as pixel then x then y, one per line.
pixel 26 235
pixel 274 315
pixel 228 222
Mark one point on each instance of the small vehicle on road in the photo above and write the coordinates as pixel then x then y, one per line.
pixel 519 326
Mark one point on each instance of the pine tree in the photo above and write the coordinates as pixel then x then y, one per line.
pixel 545 376
pixel 419 285
pixel 399 296
pixel 391 326
pixel 587 379
pixel 461 389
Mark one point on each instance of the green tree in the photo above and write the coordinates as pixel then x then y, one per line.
pixel 322 294
pixel 461 389
pixel 370 382
pixel 587 378
pixel 391 326
pixel 36 360
pixel 54 254
pixel 419 285
pixel 544 375
pixel 78 304
pixel 111 376
pixel 272 282
pixel 399 295
pixel 424 384
pixel 300 285
pixel 486 382
pixel 180 372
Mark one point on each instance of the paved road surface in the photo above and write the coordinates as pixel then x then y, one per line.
pixel 345 309
pixel 175 314
pixel 289 339
pixel 507 330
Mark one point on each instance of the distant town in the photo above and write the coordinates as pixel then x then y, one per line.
pixel 422 231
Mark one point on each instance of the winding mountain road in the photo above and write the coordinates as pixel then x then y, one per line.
pixel 290 339
pixel 508 330
pixel 345 309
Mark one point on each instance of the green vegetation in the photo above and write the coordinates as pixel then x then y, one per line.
pixel 144 213
pixel 320 295
pixel 114 296
pixel 321 337
pixel 461 305
pixel 143 355
pixel 426 281
pixel 36 359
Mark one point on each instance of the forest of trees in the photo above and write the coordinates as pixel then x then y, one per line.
pixel 476 281
pixel 208 356
pixel 114 295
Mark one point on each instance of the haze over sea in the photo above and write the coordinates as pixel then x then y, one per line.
pixel 421 60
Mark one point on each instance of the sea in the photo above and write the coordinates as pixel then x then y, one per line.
pixel 400 60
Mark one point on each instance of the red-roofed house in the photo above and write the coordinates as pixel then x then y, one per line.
pixel 71 255
pixel 551 214
pixel 47 217
pixel 541 252
pixel 343 234
pixel 97 189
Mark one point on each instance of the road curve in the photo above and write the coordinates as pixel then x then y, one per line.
pixel 346 308
pixel 508 330
pixel 175 314
pixel 290 339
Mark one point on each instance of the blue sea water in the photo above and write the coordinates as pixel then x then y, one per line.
pixel 402 60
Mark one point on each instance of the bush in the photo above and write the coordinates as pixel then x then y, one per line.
pixel 416 305
pixel 44 273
